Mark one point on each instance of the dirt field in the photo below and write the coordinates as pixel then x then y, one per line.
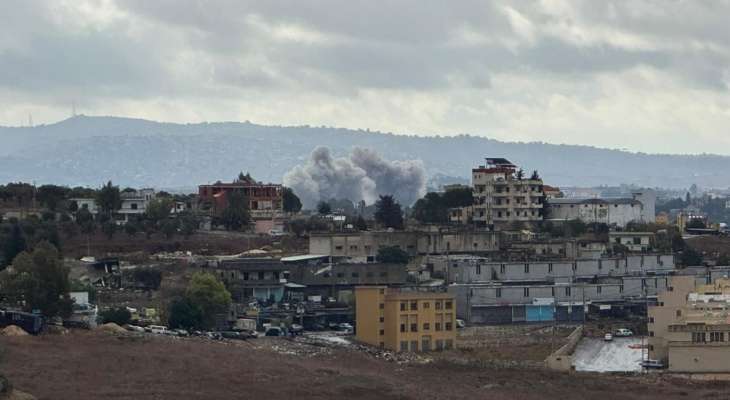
pixel 94 365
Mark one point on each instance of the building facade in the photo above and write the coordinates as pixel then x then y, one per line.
pixel 634 241
pixel 265 201
pixel 615 212
pixel 689 328
pixel 502 197
pixel 405 321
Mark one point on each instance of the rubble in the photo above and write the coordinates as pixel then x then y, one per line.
pixel 13 330
pixel 111 327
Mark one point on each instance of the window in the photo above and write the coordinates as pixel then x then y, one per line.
pixel 438 327
pixel 414 345
pixel 651 333
pixel 426 326
pixel 382 319
pixel 447 326
pixel 447 305
pixel 369 274
pixel 438 305
pixel 498 292
pixel 599 289
pixel 402 327
pixel 679 313
pixel 133 206
pixel 526 292
pixel 245 276
pixel 439 344
pixel 651 347
pixel 567 290
pixel 426 305
pixel 621 288
pixel 355 275
pixel 261 276
pixel 552 291
pixel 403 345
pixel 501 269
pixel 414 327
pixel 717 336
pixel 402 305
pixel 448 344
pixel 550 267
pixel 340 274
pixel 414 305
pixel 527 268
pixel 651 320
pixel 699 337
pixel 382 306
pixel 382 332
pixel 383 274
pixel 338 247
pixel 479 268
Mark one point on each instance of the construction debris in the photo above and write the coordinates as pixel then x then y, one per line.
pixel 13 330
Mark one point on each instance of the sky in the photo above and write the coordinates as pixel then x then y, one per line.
pixel 649 76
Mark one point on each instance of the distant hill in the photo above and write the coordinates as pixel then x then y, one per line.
pixel 132 152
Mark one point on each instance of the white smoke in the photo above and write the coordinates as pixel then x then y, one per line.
pixel 363 175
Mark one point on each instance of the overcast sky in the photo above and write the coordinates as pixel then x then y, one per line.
pixel 643 75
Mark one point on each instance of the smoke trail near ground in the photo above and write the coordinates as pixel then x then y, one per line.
pixel 363 175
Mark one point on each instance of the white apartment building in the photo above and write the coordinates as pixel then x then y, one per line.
pixel 502 197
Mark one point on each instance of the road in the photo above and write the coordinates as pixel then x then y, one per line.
pixel 598 355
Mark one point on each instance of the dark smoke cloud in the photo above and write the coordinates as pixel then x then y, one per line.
pixel 363 175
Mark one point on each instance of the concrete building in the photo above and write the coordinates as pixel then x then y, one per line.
pixel 265 201
pixel 501 197
pixel 615 212
pixel 339 280
pixel 251 278
pixel 405 321
pixel 634 241
pixel 507 292
pixel 689 328
pixel 134 204
pixel 362 247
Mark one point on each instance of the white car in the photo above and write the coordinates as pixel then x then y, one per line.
pixel 159 330
pixel 623 332
pixel 608 337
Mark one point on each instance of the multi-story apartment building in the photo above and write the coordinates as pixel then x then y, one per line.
pixel 405 321
pixel 251 278
pixel 689 328
pixel 503 196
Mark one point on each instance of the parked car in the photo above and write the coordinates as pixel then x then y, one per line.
pixel 623 332
pixel 296 329
pixel 213 335
pixel 652 364
pixel 234 335
pixel 608 337
pixel 158 329
pixel 182 332
pixel 275 331
pixel 135 328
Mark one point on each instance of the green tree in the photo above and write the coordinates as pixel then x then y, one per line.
pixel 109 198
pixel 696 224
pixel 209 295
pixel 184 314
pixel 458 197
pixel 169 228
pixel 392 255
pixel 85 221
pixel 723 259
pixel 323 208
pixel 109 228
pixel 131 228
pixel 388 212
pixel 39 281
pixel 14 244
pixel 291 202
pixel 431 209
pixel 189 223
pixel 158 210
pixel 51 196
pixel 520 174
pixel 535 176
pixel 236 214
pixel 119 316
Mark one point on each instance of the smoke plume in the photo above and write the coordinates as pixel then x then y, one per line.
pixel 363 175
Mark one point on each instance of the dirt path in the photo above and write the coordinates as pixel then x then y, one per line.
pixel 90 365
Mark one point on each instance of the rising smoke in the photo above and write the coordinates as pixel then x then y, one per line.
pixel 363 175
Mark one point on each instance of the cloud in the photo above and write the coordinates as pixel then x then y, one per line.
pixel 606 73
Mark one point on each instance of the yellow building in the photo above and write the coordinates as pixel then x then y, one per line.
pixel 405 321
pixel 689 331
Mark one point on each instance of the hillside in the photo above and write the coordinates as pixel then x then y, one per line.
pixel 90 150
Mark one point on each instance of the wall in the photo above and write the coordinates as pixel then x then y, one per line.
pixel 562 359
pixel 699 358
pixel 367 314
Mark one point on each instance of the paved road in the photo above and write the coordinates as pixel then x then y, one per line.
pixel 600 356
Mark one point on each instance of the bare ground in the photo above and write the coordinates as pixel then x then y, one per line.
pixel 94 365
